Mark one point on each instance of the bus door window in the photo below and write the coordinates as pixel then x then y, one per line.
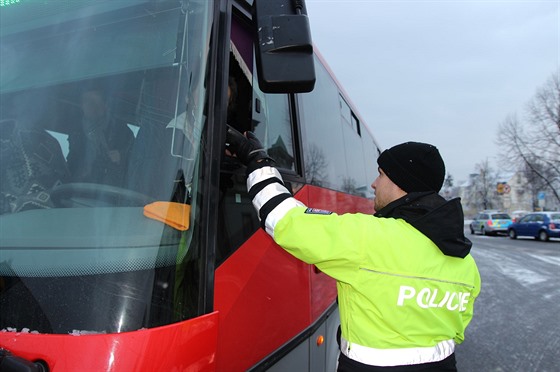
pixel 269 117
pixel 270 120
pixel 240 92
pixel 236 218
pixel 266 115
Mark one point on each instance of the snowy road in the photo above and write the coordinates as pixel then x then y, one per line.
pixel 516 326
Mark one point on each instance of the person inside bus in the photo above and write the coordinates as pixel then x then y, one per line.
pixel 233 228
pixel 100 146
pixel 232 99
pixel 405 279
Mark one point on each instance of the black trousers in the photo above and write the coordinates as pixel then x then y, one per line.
pixel 346 364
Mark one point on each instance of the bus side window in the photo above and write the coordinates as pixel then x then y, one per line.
pixel 337 150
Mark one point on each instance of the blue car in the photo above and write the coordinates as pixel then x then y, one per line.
pixel 540 225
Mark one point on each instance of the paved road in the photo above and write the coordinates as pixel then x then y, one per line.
pixel 516 326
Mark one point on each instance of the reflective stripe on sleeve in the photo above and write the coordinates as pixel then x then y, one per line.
pixel 271 198
pixel 397 357
pixel 269 192
pixel 279 212
pixel 262 174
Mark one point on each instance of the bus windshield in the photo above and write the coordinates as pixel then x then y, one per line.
pixel 102 113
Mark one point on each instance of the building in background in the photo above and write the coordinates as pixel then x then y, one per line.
pixel 508 192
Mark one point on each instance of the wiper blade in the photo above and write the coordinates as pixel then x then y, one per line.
pixel 12 363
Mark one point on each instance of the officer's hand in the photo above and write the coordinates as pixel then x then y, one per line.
pixel 248 148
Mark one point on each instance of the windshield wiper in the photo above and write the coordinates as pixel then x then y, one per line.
pixel 12 363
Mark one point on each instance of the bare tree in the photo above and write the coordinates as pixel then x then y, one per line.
pixel 447 188
pixel 449 181
pixel 483 194
pixel 315 165
pixel 533 146
pixel 349 185
pixel 534 182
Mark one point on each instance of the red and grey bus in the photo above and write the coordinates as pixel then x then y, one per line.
pixel 127 239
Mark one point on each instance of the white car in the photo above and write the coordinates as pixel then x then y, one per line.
pixel 490 223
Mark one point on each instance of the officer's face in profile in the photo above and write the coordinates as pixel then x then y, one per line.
pixel 385 191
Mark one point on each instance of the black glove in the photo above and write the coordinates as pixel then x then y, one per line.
pixel 249 150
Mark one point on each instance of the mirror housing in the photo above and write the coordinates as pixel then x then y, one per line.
pixel 284 51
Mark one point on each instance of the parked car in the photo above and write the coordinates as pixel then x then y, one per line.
pixel 490 223
pixel 516 215
pixel 540 225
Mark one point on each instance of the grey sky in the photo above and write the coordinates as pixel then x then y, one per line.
pixel 445 72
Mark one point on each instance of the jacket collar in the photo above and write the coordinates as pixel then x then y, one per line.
pixel 440 220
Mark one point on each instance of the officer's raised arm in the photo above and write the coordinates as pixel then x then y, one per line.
pixel 270 196
pixel 406 280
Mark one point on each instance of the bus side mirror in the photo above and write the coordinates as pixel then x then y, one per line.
pixel 284 51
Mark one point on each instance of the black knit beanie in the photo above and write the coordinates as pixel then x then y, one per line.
pixel 413 166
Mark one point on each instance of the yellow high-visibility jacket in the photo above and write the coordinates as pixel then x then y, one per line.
pixel 402 300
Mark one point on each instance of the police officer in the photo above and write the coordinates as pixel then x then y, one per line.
pixel 405 279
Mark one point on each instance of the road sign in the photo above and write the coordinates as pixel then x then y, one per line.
pixel 502 188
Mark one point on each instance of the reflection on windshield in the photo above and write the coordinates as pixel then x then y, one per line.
pixel 101 115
